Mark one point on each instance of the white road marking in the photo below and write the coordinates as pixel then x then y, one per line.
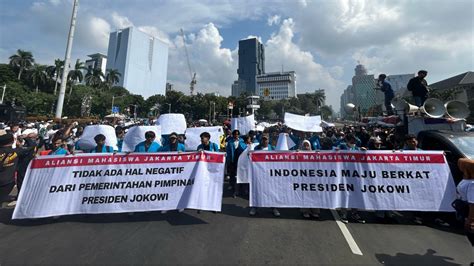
pixel 347 235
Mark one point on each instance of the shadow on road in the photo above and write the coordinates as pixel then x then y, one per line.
pixel 172 217
pixel 429 258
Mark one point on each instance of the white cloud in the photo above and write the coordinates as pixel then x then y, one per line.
pixel 215 66
pixel 310 76
pixel 120 22
pixel 273 20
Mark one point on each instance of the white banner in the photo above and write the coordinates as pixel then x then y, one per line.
pixel 243 124
pixel 81 184
pixel 87 142
pixel 410 181
pixel 136 135
pixel 193 139
pixel 172 123
pixel 303 123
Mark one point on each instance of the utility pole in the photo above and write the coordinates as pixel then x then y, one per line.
pixel 67 59
pixel 3 93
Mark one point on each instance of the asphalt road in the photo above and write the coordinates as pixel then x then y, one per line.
pixel 230 237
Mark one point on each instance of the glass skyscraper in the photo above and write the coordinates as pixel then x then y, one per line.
pixel 251 64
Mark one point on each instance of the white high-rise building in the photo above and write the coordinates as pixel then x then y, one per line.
pixel 276 85
pixel 97 61
pixel 141 59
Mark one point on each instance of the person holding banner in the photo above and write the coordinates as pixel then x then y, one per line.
pixel 58 149
pixel 173 144
pixel 465 195
pixel 101 147
pixel 350 143
pixel 206 144
pixel 264 146
pixel 235 147
pixel 309 212
pixel 120 133
pixel 149 145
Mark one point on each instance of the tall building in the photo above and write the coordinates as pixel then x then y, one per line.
pixel 251 64
pixel 276 85
pixel 141 59
pixel 363 86
pixel 97 61
pixel 346 97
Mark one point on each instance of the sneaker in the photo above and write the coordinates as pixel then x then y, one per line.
pixel 276 213
pixel 418 220
pixel 315 215
pixel 181 210
pixel 12 204
pixel 356 217
pixel 344 218
pixel 164 212
pixel 441 222
pixel 306 215
pixel 253 211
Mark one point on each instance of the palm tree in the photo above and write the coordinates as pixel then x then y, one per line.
pixel 318 98
pixel 55 72
pixel 94 77
pixel 75 75
pixel 22 60
pixel 112 78
pixel 38 75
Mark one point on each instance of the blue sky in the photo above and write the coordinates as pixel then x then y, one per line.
pixel 321 40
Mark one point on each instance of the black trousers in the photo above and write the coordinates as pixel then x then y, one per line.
pixel 5 191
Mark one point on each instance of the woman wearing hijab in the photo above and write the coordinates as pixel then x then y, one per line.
pixel 309 212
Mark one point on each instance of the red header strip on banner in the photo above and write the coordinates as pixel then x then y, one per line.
pixel 118 159
pixel 400 157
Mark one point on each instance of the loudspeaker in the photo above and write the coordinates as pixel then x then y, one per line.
pixel 402 105
pixel 457 109
pixel 433 108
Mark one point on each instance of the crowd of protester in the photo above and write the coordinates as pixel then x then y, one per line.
pixel 20 143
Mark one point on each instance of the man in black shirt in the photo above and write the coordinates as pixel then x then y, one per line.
pixel 419 88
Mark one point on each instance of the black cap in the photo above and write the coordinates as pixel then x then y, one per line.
pixel 6 139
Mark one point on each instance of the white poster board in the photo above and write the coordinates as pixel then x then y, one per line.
pixel 87 142
pixel 303 123
pixel 243 124
pixel 136 135
pixel 193 138
pixel 172 123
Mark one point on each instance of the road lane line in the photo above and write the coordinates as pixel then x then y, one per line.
pixel 347 235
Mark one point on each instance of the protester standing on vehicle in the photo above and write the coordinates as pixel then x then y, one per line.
pixel 419 88
pixel 386 88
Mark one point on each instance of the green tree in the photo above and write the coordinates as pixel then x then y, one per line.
pixel 37 75
pixel 94 78
pixel 75 75
pixel 326 112
pixel 22 60
pixel 112 77
pixel 55 72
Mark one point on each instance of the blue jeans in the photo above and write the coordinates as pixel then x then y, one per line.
pixel 419 100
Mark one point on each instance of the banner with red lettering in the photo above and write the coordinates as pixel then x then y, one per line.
pixel 104 183
pixel 370 180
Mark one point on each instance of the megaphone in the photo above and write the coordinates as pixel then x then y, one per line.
pixel 402 105
pixel 350 108
pixel 433 108
pixel 456 109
